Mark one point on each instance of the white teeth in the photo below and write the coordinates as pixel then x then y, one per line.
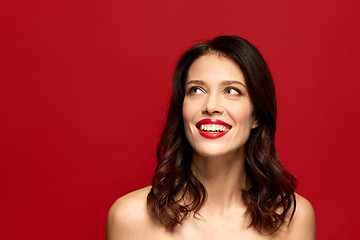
pixel 213 128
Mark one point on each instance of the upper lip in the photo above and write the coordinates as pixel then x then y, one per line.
pixel 212 121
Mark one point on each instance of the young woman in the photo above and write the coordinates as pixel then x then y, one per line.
pixel 218 174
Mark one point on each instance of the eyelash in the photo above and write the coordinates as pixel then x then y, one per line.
pixel 233 88
pixel 226 90
pixel 193 89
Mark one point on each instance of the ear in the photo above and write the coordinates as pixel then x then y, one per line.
pixel 256 119
pixel 255 124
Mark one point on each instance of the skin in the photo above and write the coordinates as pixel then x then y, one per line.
pixel 215 88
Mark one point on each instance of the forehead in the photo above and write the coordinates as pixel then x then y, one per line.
pixel 215 67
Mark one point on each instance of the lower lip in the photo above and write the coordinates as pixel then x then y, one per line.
pixel 212 135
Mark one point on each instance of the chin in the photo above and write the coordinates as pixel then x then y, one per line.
pixel 212 153
pixel 217 151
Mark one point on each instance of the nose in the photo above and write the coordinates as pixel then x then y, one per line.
pixel 212 105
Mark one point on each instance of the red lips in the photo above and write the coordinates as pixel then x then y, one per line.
pixel 212 135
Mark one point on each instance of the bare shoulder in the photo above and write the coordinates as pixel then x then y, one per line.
pixel 302 225
pixel 128 215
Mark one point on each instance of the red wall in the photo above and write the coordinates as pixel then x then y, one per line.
pixel 84 87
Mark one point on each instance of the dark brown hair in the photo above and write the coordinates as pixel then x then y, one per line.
pixel 270 197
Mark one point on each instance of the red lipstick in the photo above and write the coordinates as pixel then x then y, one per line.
pixel 212 135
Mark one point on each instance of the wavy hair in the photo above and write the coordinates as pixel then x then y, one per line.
pixel 270 197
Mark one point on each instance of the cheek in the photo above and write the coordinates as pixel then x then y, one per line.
pixel 188 111
pixel 243 115
pixel 185 112
pixel 187 118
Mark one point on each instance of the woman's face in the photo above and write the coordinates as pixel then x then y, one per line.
pixel 217 110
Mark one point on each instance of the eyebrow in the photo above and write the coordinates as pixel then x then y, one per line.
pixel 223 83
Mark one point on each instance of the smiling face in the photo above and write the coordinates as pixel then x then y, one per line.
pixel 217 110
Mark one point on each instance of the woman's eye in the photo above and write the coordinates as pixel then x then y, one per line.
pixel 232 91
pixel 195 90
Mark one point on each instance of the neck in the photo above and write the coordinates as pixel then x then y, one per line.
pixel 223 178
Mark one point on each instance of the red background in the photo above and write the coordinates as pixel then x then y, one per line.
pixel 84 87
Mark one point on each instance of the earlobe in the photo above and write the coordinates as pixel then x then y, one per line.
pixel 255 124
pixel 256 120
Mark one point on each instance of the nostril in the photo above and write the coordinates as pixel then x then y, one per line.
pixel 211 110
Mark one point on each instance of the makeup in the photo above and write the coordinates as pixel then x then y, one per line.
pixel 212 128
